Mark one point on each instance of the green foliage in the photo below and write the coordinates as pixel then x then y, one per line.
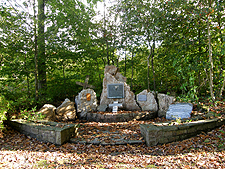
pixel 77 46
pixel 222 140
pixel 4 107
pixel 31 115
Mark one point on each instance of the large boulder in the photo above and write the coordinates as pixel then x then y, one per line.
pixel 147 101
pixel 86 101
pixel 66 111
pixel 48 111
pixel 112 76
pixel 164 102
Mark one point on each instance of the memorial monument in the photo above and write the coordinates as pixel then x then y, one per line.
pixel 86 100
pixel 147 101
pixel 116 91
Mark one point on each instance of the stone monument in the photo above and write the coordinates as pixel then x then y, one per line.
pixel 164 102
pixel 49 111
pixel 115 89
pixel 86 101
pixel 147 101
pixel 66 111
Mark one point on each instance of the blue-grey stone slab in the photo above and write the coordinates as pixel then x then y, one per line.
pixel 179 110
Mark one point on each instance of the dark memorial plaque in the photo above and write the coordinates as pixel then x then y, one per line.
pixel 115 90
pixel 142 97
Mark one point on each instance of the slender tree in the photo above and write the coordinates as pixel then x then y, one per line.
pixel 41 58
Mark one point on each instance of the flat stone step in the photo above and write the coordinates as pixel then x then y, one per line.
pixel 120 116
pixel 110 141
pixel 110 138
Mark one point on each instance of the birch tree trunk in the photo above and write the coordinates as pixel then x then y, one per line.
pixel 210 60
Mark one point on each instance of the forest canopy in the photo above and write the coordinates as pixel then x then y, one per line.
pixel 169 46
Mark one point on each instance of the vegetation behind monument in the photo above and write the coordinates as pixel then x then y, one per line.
pixel 165 47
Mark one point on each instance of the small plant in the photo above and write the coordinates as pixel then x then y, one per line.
pixel 43 164
pixel 222 141
pixel 4 107
pixel 188 121
pixel 178 120
pixel 31 115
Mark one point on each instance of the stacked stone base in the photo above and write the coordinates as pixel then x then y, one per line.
pixel 53 132
pixel 120 117
pixel 165 133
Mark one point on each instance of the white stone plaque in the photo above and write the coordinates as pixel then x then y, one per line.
pixel 115 106
pixel 115 109
pixel 142 97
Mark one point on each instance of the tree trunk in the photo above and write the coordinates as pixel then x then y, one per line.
pixel 125 66
pixel 105 38
pixel 153 70
pixel 148 69
pixel 41 50
pixel 36 66
pixel 132 74
pixel 222 88
pixel 199 61
pixel 35 53
pixel 117 62
pixel 222 56
pixel 27 74
pixel 210 61
pixel 99 75
pixel 64 76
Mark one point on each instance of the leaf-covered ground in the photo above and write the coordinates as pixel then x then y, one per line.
pixel 206 150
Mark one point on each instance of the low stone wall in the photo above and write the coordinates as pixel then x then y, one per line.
pixel 120 117
pixel 163 133
pixel 53 132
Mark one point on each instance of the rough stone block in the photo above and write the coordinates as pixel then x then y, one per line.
pixel 164 102
pixel 172 139
pixel 66 111
pixel 49 111
pixel 56 133
pixel 181 132
pixel 34 130
pixel 184 136
pixel 159 134
pixel 149 104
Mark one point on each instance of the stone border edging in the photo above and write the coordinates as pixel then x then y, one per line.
pixel 161 133
pixel 119 117
pixel 53 132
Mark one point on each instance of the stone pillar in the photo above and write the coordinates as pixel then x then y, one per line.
pixel 86 101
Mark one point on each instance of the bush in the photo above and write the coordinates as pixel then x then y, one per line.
pixel 4 107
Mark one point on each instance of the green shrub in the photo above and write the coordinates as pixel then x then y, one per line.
pixel 31 115
pixel 4 107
